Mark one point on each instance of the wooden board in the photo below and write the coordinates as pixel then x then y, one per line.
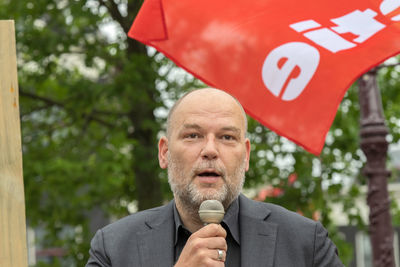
pixel 13 251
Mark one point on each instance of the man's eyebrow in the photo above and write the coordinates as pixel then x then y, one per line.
pixel 191 126
pixel 232 129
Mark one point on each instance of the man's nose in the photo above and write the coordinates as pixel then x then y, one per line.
pixel 209 150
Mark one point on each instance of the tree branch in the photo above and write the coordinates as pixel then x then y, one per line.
pixel 89 117
pixel 110 113
pixel 112 8
pixel 46 100
pixel 125 22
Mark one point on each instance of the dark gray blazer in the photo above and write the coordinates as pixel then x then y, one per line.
pixel 269 236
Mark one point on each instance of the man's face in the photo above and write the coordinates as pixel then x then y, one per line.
pixel 207 153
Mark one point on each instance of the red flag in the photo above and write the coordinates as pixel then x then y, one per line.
pixel 288 62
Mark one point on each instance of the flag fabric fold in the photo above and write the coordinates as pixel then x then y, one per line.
pixel 150 23
pixel 289 63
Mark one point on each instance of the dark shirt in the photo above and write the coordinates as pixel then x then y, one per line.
pixel 230 224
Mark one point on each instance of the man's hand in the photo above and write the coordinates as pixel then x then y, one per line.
pixel 202 247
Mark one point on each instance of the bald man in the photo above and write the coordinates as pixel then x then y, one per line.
pixel 207 154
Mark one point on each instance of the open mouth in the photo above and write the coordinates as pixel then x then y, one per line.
pixel 208 174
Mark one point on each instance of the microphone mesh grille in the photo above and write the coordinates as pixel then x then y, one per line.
pixel 211 205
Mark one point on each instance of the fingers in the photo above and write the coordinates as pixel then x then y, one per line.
pixel 211 236
pixel 211 230
pixel 209 243
pixel 206 247
pixel 218 255
pixel 202 257
pixel 221 255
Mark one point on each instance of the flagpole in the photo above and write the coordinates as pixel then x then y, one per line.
pixel 374 145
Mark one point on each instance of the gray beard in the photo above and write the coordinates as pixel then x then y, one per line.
pixel 190 197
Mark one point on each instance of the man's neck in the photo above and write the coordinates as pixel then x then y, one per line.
pixel 189 218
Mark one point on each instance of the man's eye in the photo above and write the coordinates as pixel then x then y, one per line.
pixel 192 136
pixel 228 137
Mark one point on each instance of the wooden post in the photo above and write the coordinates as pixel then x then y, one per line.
pixel 13 252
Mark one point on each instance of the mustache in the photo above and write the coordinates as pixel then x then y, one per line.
pixel 207 165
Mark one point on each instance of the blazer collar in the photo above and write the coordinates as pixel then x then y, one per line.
pixel 156 244
pixel 257 235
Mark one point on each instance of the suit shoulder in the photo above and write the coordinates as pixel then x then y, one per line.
pixel 135 221
pixel 279 211
pixel 116 242
pixel 279 214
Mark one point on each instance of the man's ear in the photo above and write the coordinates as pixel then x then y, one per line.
pixel 162 152
pixel 248 149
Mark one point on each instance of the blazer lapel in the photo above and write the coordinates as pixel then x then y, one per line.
pixel 156 244
pixel 257 235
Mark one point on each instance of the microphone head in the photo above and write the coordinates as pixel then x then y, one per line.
pixel 211 211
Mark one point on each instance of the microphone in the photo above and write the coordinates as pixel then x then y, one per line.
pixel 211 211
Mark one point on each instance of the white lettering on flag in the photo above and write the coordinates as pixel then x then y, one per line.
pixel 359 23
pixel 323 37
pixel 388 6
pixel 329 40
pixel 288 69
pixel 305 25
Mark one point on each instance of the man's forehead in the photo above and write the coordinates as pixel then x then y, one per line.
pixel 206 101
pixel 204 92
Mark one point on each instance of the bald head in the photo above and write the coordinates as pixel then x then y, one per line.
pixel 205 97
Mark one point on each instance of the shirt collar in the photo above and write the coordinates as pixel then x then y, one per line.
pixel 178 223
pixel 231 221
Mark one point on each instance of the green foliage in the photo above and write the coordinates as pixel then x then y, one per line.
pixel 87 103
pixel 93 104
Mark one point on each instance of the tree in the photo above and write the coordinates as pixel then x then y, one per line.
pixel 94 102
pixel 87 108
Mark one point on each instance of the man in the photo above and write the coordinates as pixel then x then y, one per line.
pixel 207 154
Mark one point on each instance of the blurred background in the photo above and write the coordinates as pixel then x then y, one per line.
pixel 93 104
